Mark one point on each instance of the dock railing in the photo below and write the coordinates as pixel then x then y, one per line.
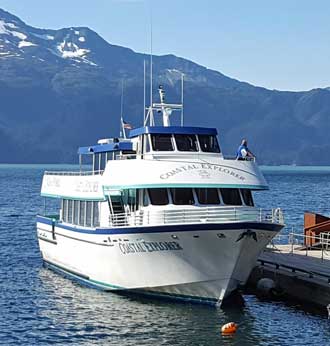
pixel 320 244
pixel 195 216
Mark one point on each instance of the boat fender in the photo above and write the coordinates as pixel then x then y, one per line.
pixel 266 286
pixel 53 229
pixel 229 328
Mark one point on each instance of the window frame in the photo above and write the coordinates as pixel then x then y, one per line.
pixel 186 135
pixel 151 198
pixel 231 189
pixel 250 196
pixel 205 188
pixel 170 136
pixel 209 151
pixel 172 189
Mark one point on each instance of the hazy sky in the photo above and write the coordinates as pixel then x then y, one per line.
pixel 280 44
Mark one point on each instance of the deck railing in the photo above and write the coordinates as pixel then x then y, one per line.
pixel 73 173
pixel 174 155
pixel 195 216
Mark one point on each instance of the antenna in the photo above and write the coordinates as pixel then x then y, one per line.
pixel 151 110
pixel 144 91
pixel 182 80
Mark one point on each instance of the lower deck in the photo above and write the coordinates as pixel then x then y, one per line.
pixel 193 261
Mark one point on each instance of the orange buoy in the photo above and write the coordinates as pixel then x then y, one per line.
pixel 229 328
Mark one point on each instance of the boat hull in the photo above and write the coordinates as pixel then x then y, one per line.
pixel 201 263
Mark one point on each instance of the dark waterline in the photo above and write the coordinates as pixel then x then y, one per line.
pixel 39 307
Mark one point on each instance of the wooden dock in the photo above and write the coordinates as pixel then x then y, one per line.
pixel 298 273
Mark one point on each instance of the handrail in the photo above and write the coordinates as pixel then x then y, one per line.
pixel 78 173
pixel 193 216
pixel 294 269
pixel 297 241
pixel 233 158
pixel 168 154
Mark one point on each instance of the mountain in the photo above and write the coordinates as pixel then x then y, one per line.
pixel 60 89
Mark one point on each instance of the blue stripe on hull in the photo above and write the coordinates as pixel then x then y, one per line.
pixel 177 297
pixel 166 228
pixel 80 278
pixel 86 281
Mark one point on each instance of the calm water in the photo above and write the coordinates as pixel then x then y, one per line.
pixel 38 307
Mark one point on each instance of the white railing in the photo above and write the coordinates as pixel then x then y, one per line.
pixel 73 173
pixel 195 216
pixel 234 158
pixel 316 245
pixel 168 155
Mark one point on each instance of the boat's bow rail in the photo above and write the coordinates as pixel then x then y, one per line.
pixel 234 158
pixel 196 216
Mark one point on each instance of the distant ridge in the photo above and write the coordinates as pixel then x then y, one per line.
pixel 61 88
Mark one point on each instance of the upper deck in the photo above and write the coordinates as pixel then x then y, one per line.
pixel 154 157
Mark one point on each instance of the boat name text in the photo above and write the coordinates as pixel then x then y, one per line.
pixel 202 170
pixel 87 186
pixel 148 246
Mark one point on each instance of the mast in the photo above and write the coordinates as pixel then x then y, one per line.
pixel 164 108
pixel 152 122
pixel 182 80
pixel 122 130
pixel 144 91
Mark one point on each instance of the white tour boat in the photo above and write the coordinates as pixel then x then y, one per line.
pixel 162 212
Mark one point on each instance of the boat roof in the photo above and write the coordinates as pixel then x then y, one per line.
pixel 102 148
pixel 173 130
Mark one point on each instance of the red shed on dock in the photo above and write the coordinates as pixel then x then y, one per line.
pixel 314 225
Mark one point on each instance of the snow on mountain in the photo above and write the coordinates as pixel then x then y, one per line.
pixel 44 36
pixel 23 43
pixel 7 29
pixel 20 40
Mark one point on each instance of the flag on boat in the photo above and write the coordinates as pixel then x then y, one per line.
pixel 127 126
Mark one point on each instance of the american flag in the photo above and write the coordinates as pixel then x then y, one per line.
pixel 127 126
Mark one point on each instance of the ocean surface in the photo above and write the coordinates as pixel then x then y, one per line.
pixel 39 307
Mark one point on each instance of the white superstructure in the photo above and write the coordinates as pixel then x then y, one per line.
pixel 162 212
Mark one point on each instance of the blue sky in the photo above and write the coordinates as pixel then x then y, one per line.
pixel 280 44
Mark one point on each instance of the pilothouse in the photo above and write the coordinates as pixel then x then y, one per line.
pixel 161 212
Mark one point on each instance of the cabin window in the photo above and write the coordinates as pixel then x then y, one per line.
pixel 209 143
pixel 96 162
pixel 182 196
pixel 82 213
pixel 247 197
pixel 147 143
pixel 76 212
pixel 70 212
pixel 231 196
pixel 103 161
pixel 96 214
pixel 65 210
pixel 207 196
pixel 88 213
pixel 186 142
pixel 158 196
pixel 162 142
pixel 145 198
pixel 132 199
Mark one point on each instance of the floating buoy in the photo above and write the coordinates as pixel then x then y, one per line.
pixel 229 328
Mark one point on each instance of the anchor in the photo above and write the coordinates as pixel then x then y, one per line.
pixel 248 234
